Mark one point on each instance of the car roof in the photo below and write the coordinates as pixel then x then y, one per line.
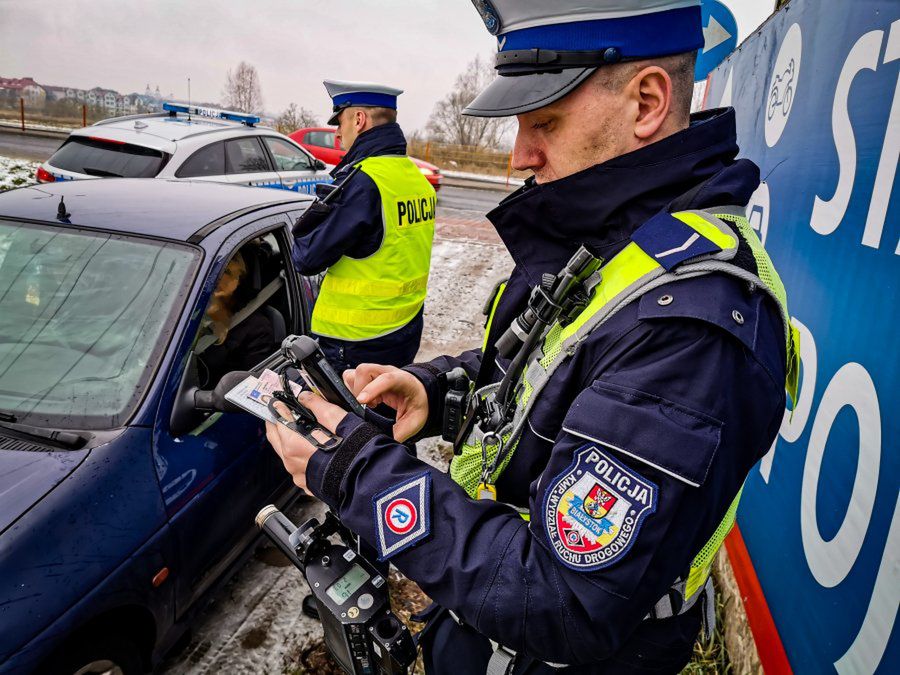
pixel 173 209
pixel 162 131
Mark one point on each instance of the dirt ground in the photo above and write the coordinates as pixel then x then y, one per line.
pixel 254 624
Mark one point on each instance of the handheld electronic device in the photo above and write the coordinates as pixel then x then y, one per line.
pixel 361 632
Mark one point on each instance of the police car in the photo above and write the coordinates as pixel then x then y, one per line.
pixel 187 142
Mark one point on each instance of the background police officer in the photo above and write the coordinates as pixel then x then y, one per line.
pixel 376 243
pixel 636 423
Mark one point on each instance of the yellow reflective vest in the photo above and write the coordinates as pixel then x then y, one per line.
pixel 365 298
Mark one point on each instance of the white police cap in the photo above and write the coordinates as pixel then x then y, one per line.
pixel 365 94
pixel 546 49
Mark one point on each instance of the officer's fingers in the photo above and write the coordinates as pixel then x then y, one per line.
pixel 327 414
pixel 408 426
pixel 372 392
pixel 349 378
pixel 365 373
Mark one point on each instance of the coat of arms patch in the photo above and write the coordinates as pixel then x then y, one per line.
pixel 595 508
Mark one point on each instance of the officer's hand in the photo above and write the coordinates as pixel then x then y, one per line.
pixel 373 384
pixel 292 448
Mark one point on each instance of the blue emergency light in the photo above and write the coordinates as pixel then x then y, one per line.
pixel 175 108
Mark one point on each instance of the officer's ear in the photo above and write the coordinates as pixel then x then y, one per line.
pixel 650 90
pixel 361 120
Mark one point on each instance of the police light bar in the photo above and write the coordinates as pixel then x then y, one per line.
pixel 243 118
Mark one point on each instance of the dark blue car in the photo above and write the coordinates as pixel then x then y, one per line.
pixel 122 503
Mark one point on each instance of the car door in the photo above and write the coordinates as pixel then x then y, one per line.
pixel 297 169
pixel 207 163
pixel 216 476
pixel 247 162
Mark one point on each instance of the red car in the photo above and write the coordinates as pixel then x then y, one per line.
pixel 322 144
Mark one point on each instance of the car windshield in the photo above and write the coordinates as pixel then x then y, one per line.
pixel 107 159
pixel 84 317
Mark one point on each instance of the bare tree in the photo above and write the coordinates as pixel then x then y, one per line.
pixel 242 90
pixel 447 123
pixel 294 118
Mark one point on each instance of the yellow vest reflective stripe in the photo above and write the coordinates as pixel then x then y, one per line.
pixel 490 321
pixel 624 278
pixel 361 299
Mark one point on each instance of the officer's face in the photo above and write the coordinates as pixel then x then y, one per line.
pixel 592 124
pixel 569 135
pixel 348 127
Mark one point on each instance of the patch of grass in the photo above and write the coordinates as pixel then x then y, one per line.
pixel 710 655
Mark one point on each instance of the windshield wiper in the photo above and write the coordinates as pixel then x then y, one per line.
pixel 100 172
pixel 58 437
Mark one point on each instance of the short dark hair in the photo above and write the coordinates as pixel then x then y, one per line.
pixel 382 115
pixel 680 68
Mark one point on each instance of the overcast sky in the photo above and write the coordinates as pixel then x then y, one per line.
pixel 417 45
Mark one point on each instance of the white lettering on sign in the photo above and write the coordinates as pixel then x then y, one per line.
pixel 867 649
pixel 827 214
pixel 831 561
pixel 890 154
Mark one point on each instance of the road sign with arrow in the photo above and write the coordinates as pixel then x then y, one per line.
pixel 719 35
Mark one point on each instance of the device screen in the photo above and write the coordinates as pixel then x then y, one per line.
pixel 341 590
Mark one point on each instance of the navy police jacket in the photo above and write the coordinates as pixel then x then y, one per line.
pixel 355 227
pixel 677 397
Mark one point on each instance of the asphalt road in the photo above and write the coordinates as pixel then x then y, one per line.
pixel 25 146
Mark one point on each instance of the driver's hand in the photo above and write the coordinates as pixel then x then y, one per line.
pixel 373 384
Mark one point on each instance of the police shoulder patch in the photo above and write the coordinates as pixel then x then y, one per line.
pixel 403 515
pixel 594 509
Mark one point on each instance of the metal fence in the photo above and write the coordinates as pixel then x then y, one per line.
pixel 19 113
pixel 466 158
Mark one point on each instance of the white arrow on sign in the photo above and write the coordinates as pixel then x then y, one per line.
pixel 713 34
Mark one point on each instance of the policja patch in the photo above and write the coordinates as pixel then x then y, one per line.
pixel 403 515
pixel 594 509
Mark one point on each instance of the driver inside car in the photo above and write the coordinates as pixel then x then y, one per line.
pixel 230 346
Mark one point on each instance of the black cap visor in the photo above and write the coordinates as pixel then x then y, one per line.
pixel 511 95
pixel 336 114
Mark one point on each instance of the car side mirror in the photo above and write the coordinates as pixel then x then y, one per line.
pixel 319 165
pixel 193 405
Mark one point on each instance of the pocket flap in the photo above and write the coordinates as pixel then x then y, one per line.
pixel 670 437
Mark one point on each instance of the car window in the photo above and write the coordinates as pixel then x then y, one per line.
pixel 248 315
pixel 208 161
pixel 288 157
pixel 107 159
pixel 245 155
pixel 84 320
pixel 324 139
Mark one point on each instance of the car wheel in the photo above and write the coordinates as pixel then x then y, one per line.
pixel 101 654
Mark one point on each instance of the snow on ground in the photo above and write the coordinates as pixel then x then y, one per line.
pixel 16 173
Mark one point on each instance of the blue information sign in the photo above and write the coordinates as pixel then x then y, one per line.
pixel 817 94
pixel 720 36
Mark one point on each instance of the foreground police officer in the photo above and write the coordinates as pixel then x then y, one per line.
pixel 376 243
pixel 605 495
